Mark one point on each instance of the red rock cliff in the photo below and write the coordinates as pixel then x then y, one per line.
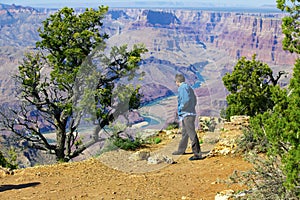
pixel 240 34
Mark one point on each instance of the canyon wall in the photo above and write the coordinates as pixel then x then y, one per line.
pixel 239 34
pixel 178 40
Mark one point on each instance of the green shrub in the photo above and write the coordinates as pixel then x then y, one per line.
pixel 127 143
pixel 5 163
pixel 157 140
pixel 173 125
pixel 266 180
pixel 249 142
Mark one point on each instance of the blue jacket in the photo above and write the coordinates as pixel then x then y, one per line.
pixel 186 100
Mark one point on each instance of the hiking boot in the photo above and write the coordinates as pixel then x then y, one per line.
pixel 196 158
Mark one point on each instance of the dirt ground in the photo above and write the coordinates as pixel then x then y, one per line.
pixel 114 176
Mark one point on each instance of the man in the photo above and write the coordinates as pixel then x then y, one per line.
pixel 187 114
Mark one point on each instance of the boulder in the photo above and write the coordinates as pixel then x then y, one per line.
pixel 140 155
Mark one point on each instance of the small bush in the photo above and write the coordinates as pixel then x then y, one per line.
pixel 127 143
pixel 157 140
pixel 266 180
pixel 173 125
pixel 248 142
pixel 5 163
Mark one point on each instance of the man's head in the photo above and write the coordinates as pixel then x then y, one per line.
pixel 179 78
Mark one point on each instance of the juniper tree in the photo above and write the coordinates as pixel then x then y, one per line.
pixel 71 76
pixel 249 86
pixel 280 124
pixel 290 24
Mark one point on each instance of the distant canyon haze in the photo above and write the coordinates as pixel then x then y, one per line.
pixel 201 44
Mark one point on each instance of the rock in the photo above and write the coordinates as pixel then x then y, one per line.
pixel 224 195
pixel 154 160
pixel 209 123
pixel 139 125
pixel 171 132
pixel 211 137
pixel 172 136
pixel 232 131
pixel 225 151
pixel 140 155
pixel 168 160
pixel 240 120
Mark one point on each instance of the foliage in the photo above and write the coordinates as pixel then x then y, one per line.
pixel 250 86
pixel 290 24
pixel 121 137
pixel 276 132
pixel 153 140
pixel 157 140
pixel 249 141
pixel 281 127
pixel 208 124
pixel 172 125
pixel 122 140
pixel 290 134
pixel 255 137
pixel 69 77
pixel 265 180
pixel 223 113
pixel 4 162
pixel 276 176
pixel 127 143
